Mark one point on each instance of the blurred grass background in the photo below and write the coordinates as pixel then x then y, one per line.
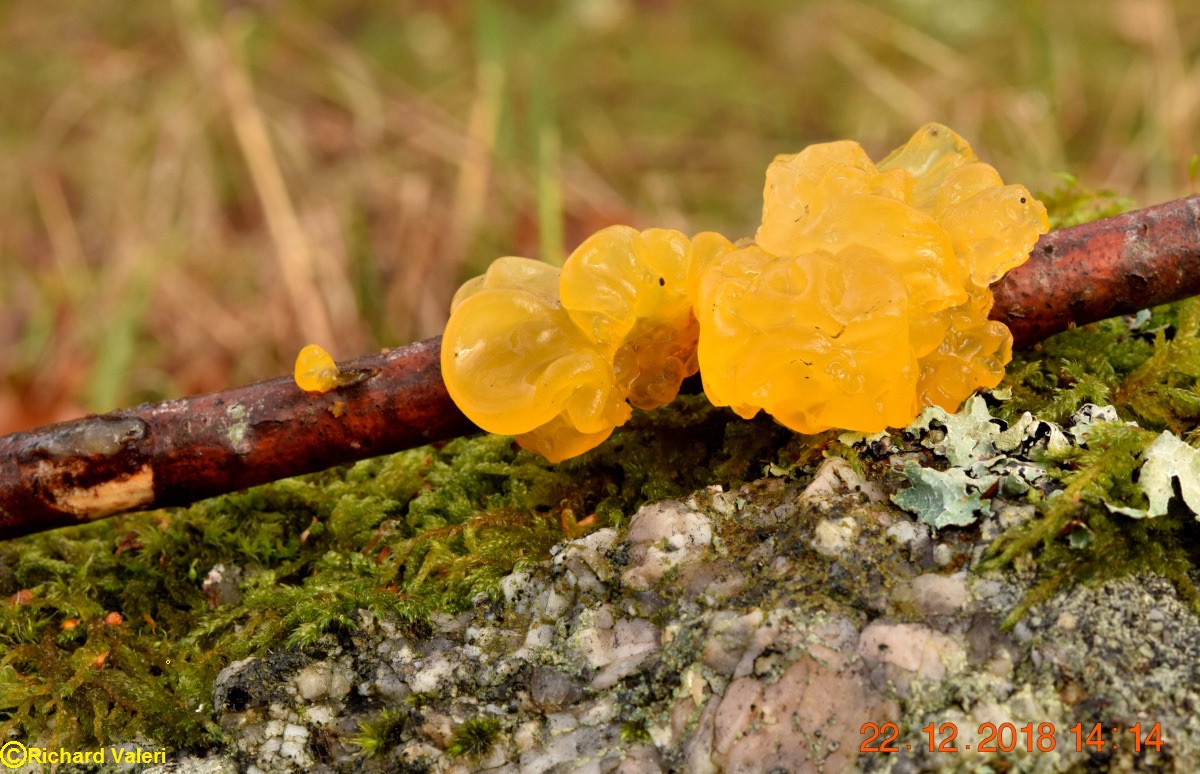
pixel 193 189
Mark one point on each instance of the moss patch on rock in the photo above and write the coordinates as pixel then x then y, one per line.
pixel 429 530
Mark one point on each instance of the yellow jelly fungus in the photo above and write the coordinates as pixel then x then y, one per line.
pixel 863 297
pixel 831 196
pixel 867 298
pixel 792 336
pixel 315 370
pixel 515 363
pixel 555 358
pixel 992 226
pixel 627 292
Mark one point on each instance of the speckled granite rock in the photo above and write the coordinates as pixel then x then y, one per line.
pixel 746 631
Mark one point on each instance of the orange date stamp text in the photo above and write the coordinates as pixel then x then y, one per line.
pixel 1009 737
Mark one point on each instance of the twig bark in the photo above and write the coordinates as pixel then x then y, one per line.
pixel 180 451
pixel 1102 269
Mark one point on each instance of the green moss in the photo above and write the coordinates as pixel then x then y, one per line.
pixel 634 732
pixel 380 733
pixel 420 698
pixel 1151 378
pixel 69 675
pixel 403 536
pixel 474 738
pixel 1149 373
pixel 1072 202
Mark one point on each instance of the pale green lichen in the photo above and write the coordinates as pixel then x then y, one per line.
pixel 236 431
pixel 940 498
pixel 969 434
pixel 1165 461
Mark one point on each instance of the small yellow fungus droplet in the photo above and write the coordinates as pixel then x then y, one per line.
pixel 315 370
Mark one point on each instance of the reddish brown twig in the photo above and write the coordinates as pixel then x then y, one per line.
pixel 180 451
pixel 184 450
pixel 1102 269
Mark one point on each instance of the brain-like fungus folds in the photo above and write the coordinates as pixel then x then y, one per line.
pixel 556 357
pixel 805 339
pixel 627 292
pixel 901 253
pixel 515 363
pixel 863 298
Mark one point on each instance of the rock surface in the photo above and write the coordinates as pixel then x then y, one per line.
pixel 773 628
